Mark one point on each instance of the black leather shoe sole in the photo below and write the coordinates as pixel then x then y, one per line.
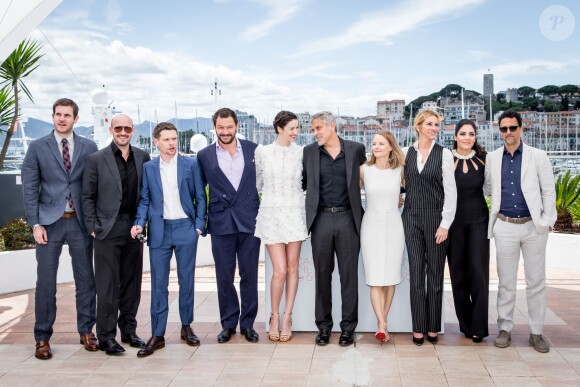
pixel 346 343
pixel 477 339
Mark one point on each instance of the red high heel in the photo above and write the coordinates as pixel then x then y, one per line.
pixel 381 337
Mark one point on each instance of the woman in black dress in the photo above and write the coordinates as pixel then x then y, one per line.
pixel 468 249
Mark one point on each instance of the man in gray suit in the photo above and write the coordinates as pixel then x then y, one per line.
pixel 330 176
pixel 111 189
pixel 52 174
pixel 523 208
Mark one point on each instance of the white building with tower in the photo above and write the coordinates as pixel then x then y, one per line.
pixel 102 115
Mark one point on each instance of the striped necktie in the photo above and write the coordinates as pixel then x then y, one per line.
pixel 67 166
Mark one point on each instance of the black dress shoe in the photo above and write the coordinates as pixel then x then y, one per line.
pixel 418 340
pixel 250 334
pixel 111 347
pixel 154 343
pixel 346 338
pixel 477 339
pixel 189 336
pixel 133 340
pixel 225 335
pixel 323 336
pixel 433 339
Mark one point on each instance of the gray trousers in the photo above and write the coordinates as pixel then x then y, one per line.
pixel 510 238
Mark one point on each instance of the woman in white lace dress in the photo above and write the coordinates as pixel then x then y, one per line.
pixel 281 221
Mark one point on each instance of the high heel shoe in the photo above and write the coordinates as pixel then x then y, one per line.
pixel 418 340
pixel 433 339
pixel 274 336
pixel 381 337
pixel 477 339
pixel 285 336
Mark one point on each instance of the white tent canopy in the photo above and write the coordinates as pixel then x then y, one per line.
pixel 18 18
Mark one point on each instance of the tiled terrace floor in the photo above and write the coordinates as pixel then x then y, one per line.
pixel 455 361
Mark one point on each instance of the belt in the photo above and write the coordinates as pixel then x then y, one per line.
pixel 335 209
pixel 514 220
pixel 69 215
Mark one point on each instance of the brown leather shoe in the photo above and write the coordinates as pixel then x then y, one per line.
pixel 154 343
pixel 43 351
pixel 90 342
pixel 189 336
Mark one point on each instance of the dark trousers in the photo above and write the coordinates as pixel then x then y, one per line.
pixel 246 248
pixel 426 263
pixel 179 236
pixel 47 257
pixel 118 273
pixel 468 257
pixel 335 233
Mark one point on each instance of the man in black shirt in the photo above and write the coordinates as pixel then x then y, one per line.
pixel 330 176
pixel 111 188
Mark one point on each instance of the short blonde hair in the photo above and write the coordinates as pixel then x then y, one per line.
pixel 422 116
pixel 396 156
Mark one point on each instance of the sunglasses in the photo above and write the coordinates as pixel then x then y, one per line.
pixel 119 129
pixel 504 129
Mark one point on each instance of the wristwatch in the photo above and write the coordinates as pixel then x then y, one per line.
pixel 34 227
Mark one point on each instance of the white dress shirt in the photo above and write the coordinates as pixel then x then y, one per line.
pixel 449 187
pixel 172 208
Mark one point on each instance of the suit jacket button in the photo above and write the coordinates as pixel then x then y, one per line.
pixel 224 195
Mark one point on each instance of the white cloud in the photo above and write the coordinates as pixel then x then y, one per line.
pixel 381 26
pixel 280 11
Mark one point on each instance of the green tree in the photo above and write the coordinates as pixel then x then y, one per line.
pixel 6 108
pixel 526 91
pixel 549 89
pixel 19 64
pixel 568 89
pixel 564 104
pixel 577 105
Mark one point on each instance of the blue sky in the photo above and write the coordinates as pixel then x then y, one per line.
pixel 302 55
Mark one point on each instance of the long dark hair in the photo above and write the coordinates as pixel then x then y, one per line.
pixel 479 151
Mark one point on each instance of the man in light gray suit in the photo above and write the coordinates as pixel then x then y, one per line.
pixel 52 174
pixel 523 208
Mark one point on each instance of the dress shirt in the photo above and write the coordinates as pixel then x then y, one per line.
pixel 128 174
pixel 513 203
pixel 172 208
pixel 449 188
pixel 232 167
pixel 71 147
pixel 333 184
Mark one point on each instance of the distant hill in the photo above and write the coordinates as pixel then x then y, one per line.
pixel 35 128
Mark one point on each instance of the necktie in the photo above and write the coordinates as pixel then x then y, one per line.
pixel 67 165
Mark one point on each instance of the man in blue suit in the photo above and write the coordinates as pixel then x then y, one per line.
pixel 229 170
pixel 52 174
pixel 173 203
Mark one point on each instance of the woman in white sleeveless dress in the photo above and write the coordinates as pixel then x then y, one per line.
pixel 281 221
pixel 382 238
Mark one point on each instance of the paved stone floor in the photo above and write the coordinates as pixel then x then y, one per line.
pixel 455 361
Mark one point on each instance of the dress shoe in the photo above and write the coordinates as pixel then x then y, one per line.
pixel 503 339
pixel 323 336
pixel 225 335
pixel 189 336
pixel 90 342
pixel 154 343
pixel 346 338
pixel 433 339
pixel 43 351
pixel 250 334
pixel 111 347
pixel 133 340
pixel 418 340
pixel 477 339
pixel 539 343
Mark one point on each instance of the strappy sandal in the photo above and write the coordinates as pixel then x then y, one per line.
pixel 285 336
pixel 274 336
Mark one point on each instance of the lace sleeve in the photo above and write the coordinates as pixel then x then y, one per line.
pixel 259 167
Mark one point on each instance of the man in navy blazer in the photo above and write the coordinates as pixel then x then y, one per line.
pixel 173 203
pixel 229 170
pixel 52 174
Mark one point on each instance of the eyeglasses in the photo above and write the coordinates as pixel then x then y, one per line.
pixel 504 129
pixel 119 129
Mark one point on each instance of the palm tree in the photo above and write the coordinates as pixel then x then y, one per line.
pixel 20 64
pixel 6 107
